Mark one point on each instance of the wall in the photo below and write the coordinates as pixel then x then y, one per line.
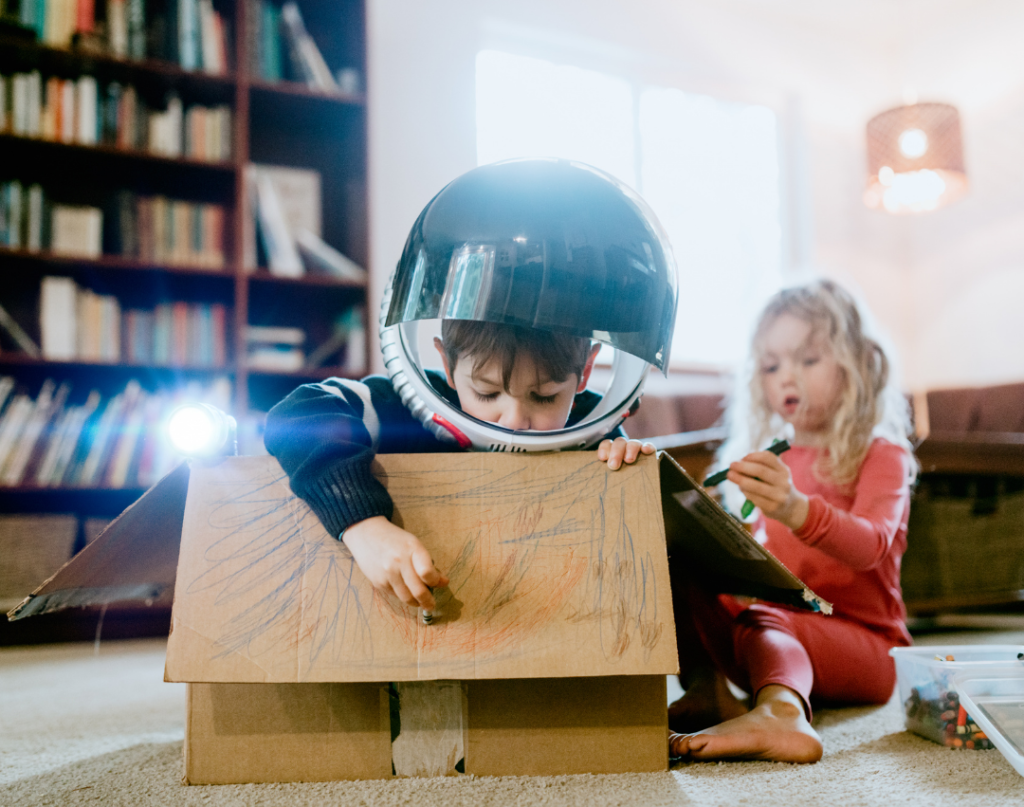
pixel 945 285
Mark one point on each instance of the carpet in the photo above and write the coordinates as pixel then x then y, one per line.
pixel 80 727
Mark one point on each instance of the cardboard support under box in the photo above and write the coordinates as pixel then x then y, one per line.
pixel 547 653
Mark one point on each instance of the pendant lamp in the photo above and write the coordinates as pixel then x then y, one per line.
pixel 915 158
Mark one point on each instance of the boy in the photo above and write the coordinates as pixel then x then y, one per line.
pixel 324 435
pixel 527 263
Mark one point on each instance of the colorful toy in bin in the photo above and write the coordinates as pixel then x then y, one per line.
pixel 931 700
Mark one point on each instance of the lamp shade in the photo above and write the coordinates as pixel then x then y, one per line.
pixel 915 158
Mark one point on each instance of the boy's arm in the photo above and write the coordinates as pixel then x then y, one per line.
pixel 321 435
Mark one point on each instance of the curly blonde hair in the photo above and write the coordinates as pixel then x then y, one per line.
pixel 870 403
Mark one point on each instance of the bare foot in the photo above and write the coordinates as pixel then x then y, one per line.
pixel 707 701
pixel 776 729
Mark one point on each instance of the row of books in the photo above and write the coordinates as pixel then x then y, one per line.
pixel 29 221
pixel 79 111
pixel 283 226
pixel 76 324
pixel 190 33
pixel 159 230
pixel 282 349
pixel 272 29
pixel 153 229
pixel 102 442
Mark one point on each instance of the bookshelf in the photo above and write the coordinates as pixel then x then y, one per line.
pixel 283 122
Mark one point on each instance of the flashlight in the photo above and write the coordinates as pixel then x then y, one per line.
pixel 203 431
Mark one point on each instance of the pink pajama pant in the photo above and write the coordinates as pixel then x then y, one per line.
pixel 826 658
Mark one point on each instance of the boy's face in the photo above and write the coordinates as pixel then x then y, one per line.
pixel 533 401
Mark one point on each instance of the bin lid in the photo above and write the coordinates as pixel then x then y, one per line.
pixel 993 696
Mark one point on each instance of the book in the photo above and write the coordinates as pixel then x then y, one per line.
pixel 77 231
pixel 274 334
pixel 58 318
pixel 282 255
pixel 306 58
pixel 86 95
pixel 22 339
pixel 320 257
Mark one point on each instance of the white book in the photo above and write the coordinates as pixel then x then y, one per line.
pixel 6 388
pixel 15 214
pixel 42 411
pixel 57 436
pixel 133 423
pixel 355 348
pixel 117 28
pixel 11 426
pixel 19 104
pixel 276 359
pixel 17 333
pixel 85 111
pixel 77 231
pixel 33 113
pixel 275 335
pixel 319 255
pixel 58 318
pixel 175 126
pixel 35 218
pixel 90 473
pixel 303 44
pixel 67 104
pixel 282 255
pixel 72 437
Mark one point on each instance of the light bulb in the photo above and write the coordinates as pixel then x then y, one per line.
pixel 886 175
pixel 201 430
pixel 913 143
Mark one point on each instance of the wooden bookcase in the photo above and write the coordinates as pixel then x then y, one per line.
pixel 283 123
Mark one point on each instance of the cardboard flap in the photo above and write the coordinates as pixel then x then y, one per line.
pixel 558 568
pixel 134 558
pixel 730 560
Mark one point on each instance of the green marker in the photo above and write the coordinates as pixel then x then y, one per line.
pixel 777 447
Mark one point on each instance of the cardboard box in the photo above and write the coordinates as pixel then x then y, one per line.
pixel 547 655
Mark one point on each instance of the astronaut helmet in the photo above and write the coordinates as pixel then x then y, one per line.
pixel 549 244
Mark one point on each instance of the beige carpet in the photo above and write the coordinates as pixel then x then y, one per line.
pixel 79 728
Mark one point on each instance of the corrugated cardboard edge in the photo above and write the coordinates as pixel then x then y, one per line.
pixel 135 557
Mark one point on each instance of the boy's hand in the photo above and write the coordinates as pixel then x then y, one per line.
pixel 622 450
pixel 394 561
pixel 766 481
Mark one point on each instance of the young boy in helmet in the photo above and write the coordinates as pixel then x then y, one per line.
pixel 565 252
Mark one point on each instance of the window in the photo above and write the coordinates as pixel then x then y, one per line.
pixel 709 168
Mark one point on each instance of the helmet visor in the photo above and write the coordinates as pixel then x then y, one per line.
pixel 565 249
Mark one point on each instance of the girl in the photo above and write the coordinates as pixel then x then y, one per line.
pixel 833 509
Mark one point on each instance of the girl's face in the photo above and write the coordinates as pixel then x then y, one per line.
pixel 801 379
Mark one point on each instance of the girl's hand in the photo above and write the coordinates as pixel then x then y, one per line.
pixel 394 561
pixel 766 481
pixel 622 450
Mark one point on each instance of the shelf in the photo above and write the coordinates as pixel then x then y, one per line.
pixel 305 374
pixel 110 262
pixel 32 55
pixel 77 150
pixel 319 281
pixel 298 90
pixel 11 359
pixel 91 501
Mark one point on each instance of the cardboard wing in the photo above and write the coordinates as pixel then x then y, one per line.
pixel 557 568
pixel 727 557
pixel 135 558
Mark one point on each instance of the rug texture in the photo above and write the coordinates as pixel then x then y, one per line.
pixel 80 727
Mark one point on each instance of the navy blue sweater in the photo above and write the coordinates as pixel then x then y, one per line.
pixel 326 435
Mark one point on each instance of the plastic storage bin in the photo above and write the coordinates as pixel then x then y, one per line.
pixel 929 694
pixel 996 698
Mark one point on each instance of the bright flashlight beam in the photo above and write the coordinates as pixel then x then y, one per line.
pixel 196 429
